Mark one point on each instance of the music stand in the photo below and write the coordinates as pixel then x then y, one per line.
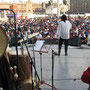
pixel 38 48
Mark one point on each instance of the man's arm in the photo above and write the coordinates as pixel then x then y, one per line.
pixel 58 32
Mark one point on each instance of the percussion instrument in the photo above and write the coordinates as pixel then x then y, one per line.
pixel 29 36
pixel 27 85
pixel 24 68
pixel 3 41
pixel 23 64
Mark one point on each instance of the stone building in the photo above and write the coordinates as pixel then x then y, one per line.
pixel 21 9
pixel 79 6
pixel 37 8
pixel 52 8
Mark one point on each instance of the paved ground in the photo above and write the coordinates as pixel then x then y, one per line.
pixel 66 68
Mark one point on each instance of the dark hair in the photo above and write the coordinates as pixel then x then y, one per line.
pixel 64 18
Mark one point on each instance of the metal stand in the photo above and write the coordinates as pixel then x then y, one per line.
pixel 52 68
pixel 42 81
pixel 35 67
pixel 32 65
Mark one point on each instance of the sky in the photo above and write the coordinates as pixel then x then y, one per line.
pixel 35 1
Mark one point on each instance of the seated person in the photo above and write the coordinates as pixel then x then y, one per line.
pixel 88 39
pixel 83 37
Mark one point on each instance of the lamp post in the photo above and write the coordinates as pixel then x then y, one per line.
pixel 58 9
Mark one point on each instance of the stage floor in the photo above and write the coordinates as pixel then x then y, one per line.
pixel 66 68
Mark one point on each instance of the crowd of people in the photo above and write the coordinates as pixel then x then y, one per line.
pixel 47 28
pixel 81 28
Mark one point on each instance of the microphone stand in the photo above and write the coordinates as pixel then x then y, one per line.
pixel 32 64
pixel 35 67
pixel 52 67
pixel 21 48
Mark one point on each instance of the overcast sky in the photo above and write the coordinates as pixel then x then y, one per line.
pixel 36 1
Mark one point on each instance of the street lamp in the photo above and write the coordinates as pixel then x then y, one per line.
pixel 58 9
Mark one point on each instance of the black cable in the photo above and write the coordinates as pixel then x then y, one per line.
pixel 64 79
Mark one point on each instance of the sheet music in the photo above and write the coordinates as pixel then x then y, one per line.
pixel 38 45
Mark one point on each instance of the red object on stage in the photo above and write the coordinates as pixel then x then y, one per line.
pixel 86 76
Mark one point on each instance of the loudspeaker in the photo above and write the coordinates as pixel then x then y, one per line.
pixel 74 41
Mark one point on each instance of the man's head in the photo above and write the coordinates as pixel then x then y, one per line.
pixel 64 18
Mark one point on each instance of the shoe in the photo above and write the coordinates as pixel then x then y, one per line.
pixel 56 53
pixel 66 54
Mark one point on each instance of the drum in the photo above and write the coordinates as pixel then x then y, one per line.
pixel 23 64
pixel 3 41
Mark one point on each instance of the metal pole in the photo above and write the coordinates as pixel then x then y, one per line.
pixel 15 30
pixel 58 9
pixel 18 87
pixel 52 67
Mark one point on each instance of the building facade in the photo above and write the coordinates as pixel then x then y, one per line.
pixel 21 9
pixel 52 8
pixel 79 6
pixel 37 8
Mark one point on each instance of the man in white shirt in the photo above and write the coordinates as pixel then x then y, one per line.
pixel 63 33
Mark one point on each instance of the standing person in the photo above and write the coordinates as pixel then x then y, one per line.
pixel 63 33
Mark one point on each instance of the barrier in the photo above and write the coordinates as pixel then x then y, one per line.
pixel 74 41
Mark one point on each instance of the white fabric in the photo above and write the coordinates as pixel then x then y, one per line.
pixel 39 36
pixel 88 42
pixel 63 30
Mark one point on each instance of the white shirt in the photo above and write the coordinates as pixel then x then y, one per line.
pixel 63 30
pixel 88 42
pixel 39 36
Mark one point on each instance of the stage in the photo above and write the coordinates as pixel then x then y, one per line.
pixel 66 68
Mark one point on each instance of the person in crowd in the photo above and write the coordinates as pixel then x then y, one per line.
pixel 88 38
pixel 75 31
pixel 83 36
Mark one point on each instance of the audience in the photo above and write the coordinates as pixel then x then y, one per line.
pixel 47 28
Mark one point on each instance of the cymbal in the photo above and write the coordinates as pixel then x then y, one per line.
pixel 3 41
